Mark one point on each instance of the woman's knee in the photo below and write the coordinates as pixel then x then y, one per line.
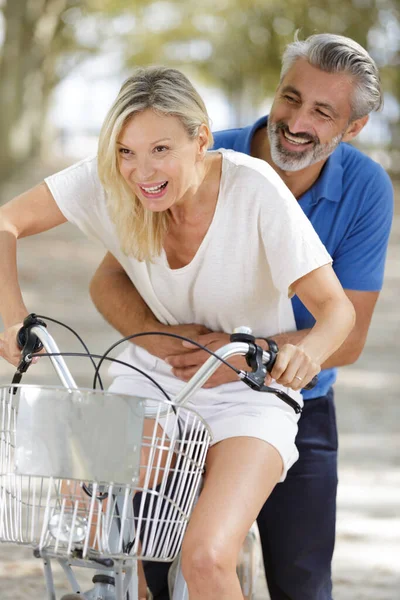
pixel 204 560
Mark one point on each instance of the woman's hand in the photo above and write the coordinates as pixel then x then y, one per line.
pixel 294 368
pixel 9 349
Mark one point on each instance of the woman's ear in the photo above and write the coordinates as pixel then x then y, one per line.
pixel 354 128
pixel 203 137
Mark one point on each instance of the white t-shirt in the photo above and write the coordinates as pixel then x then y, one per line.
pixel 259 242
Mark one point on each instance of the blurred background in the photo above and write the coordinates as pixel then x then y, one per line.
pixel 61 65
pixel 63 61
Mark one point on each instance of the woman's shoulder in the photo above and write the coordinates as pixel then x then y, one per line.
pixel 85 169
pixel 254 176
pixel 245 166
pixel 80 196
pixel 81 179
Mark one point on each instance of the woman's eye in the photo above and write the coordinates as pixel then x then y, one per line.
pixel 124 151
pixel 159 149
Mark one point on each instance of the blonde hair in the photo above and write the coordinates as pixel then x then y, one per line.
pixel 167 91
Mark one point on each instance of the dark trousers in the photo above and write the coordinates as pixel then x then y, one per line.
pixel 297 523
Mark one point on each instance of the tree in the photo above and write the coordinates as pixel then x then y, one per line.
pixel 236 44
pixel 30 30
pixel 42 43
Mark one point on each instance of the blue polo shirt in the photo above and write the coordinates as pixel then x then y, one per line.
pixel 351 208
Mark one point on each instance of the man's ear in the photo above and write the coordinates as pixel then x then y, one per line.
pixel 354 128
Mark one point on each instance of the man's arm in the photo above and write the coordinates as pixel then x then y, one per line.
pixel 185 365
pixel 118 301
pixel 350 350
pixel 121 305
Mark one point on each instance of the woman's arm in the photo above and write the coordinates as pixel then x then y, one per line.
pixel 32 212
pixel 322 294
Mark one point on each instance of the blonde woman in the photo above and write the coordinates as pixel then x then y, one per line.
pixel 213 238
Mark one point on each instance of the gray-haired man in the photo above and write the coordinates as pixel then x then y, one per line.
pixel 329 85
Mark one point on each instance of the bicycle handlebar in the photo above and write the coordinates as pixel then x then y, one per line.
pixel 34 335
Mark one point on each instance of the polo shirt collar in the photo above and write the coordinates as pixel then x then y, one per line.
pixel 329 184
pixel 243 140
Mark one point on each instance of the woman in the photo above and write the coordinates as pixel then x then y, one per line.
pixel 213 238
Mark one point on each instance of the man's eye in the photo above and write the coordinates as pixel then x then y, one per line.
pixel 290 98
pixel 323 115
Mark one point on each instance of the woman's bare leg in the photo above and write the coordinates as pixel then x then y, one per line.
pixel 142 581
pixel 156 468
pixel 241 473
pixel 154 455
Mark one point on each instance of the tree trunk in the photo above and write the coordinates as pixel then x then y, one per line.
pixel 30 29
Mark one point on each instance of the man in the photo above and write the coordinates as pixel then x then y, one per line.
pixel 329 85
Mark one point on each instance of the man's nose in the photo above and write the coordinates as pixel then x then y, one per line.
pixel 299 121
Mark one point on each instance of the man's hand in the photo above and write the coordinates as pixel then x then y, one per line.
pixel 186 363
pixel 165 346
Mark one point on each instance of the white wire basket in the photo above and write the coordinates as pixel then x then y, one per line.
pixel 74 480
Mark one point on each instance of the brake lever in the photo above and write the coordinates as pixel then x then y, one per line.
pixel 255 380
pixel 249 380
pixel 254 360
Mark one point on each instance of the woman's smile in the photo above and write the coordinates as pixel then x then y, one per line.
pixel 155 190
pixel 159 161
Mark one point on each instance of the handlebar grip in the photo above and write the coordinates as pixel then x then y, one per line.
pixel 20 343
pixel 24 335
pixel 273 353
pixel 273 350
pixel 311 384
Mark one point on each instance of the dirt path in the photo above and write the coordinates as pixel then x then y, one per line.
pixel 55 271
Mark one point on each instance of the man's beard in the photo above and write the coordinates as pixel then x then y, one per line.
pixel 295 161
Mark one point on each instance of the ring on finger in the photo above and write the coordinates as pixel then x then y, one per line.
pixel 299 378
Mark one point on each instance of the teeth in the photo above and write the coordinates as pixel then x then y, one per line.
pixel 296 140
pixel 153 190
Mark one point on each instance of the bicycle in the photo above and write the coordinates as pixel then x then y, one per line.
pixel 71 498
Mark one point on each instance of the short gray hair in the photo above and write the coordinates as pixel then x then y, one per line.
pixel 339 54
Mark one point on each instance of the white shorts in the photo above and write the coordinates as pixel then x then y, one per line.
pixel 230 410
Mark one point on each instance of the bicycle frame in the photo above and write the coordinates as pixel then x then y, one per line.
pixel 123 571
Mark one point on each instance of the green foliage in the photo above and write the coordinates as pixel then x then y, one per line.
pixel 37 37
pixel 236 42
pixel 235 45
